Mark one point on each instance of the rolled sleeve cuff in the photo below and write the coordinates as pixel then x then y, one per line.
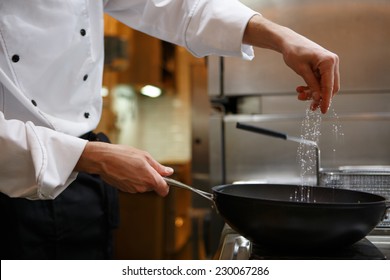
pixel 55 156
pixel 219 30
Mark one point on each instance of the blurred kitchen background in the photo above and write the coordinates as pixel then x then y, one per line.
pixel 158 121
pixel 190 124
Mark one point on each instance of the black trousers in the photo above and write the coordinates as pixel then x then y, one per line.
pixel 78 224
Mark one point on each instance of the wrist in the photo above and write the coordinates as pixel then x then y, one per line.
pixel 263 33
pixel 90 159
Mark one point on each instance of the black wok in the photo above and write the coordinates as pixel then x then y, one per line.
pixel 270 217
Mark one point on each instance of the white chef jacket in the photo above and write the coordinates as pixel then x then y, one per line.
pixel 51 63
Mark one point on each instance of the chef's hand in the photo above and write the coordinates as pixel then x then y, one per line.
pixel 126 168
pixel 318 67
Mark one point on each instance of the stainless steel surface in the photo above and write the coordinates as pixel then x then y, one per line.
pixel 235 247
pixel 262 92
pixel 382 241
pixel 371 179
pixel 276 134
pixel 253 157
pixel 357 31
pixel 354 29
pixel 368 180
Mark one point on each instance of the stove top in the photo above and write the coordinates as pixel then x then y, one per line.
pixel 362 250
pixel 233 246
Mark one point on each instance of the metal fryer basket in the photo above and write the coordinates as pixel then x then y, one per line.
pixel 371 179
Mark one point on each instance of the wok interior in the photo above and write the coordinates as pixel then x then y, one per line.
pixel 288 193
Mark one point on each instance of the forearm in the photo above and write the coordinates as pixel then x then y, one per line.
pixel 263 33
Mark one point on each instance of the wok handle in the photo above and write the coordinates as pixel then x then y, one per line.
pixel 175 183
pixel 261 130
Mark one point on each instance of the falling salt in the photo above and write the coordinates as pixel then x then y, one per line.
pixel 307 154
pixel 337 131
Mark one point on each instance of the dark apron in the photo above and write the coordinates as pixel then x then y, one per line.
pixel 78 224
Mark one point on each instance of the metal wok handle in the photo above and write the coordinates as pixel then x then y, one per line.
pixel 176 183
pixel 261 131
pixel 275 134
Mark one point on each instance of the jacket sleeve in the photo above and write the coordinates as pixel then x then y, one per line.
pixel 29 160
pixel 204 27
pixel 29 165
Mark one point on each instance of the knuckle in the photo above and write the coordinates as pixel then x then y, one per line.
pixel 332 58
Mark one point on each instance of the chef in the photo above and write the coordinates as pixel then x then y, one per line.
pixel 58 179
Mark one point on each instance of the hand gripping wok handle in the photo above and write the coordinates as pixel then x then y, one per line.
pixel 261 131
pixel 176 183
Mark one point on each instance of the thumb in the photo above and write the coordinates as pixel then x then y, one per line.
pixel 161 169
pixel 166 171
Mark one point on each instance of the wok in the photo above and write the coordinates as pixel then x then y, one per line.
pixel 372 179
pixel 271 217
